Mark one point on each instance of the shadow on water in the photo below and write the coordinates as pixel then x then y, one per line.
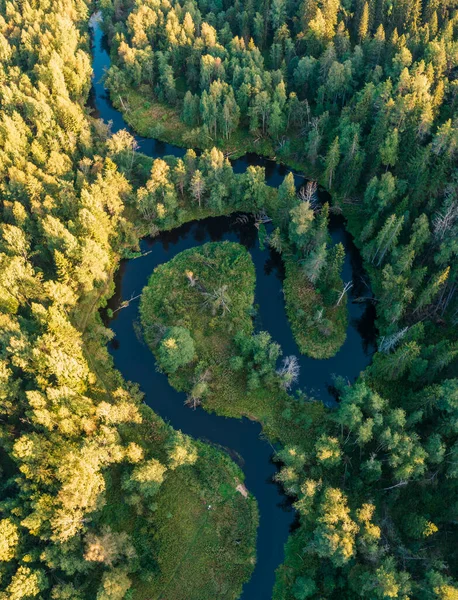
pixel 239 437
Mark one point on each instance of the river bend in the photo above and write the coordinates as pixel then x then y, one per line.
pixel 240 437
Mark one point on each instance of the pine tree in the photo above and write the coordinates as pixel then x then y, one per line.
pixel 197 186
pixel 332 162
pixel 363 26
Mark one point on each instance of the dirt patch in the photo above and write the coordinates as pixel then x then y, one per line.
pixel 242 489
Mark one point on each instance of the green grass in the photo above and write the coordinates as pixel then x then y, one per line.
pixel 179 293
pixel 317 335
pixel 203 553
pixel 186 551
pixel 150 118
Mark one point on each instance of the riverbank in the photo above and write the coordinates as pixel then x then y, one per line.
pixel 192 552
pixel 283 417
pixel 152 119
pixel 199 539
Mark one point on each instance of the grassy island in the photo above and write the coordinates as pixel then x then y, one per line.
pixel 208 291
pixel 179 190
pixel 204 298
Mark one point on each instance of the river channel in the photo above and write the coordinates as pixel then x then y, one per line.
pixel 241 437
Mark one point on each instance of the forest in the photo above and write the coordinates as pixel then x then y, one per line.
pixel 100 498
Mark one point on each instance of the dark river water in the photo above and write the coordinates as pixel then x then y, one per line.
pixel 241 437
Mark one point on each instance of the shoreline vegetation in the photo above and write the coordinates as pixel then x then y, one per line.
pixel 174 191
pixel 153 119
pixel 96 489
pixel 177 531
pixel 319 331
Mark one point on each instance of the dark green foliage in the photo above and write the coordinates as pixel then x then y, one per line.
pixel 319 325
pixel 258 355
pixel 363 96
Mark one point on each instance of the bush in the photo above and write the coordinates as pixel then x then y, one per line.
pixel 176 349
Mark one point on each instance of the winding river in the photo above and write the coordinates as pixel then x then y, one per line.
pixel 241 437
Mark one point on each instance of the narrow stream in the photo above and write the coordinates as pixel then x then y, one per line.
pixel 136 362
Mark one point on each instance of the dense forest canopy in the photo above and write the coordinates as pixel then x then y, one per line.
pixel 83 462
pixel 361 96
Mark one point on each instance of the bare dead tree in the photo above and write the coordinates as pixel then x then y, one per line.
pixel 193 401
pixel 445 218
pixel 126 303
pixel 218 299
pixel 308 193
pixel 261 218
pixel 194 398
pixel 389 342
pixel 346 287
pixel 308 113
pixel 125 107
pixel 319 316
pixel 446 296
pixel 190 277
pixel 195 282
pixel 361 299
pixel 289 371
pixel 153 230
pixel 455 317
pixel 400 484
pixel 242 219
pixel 141 255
